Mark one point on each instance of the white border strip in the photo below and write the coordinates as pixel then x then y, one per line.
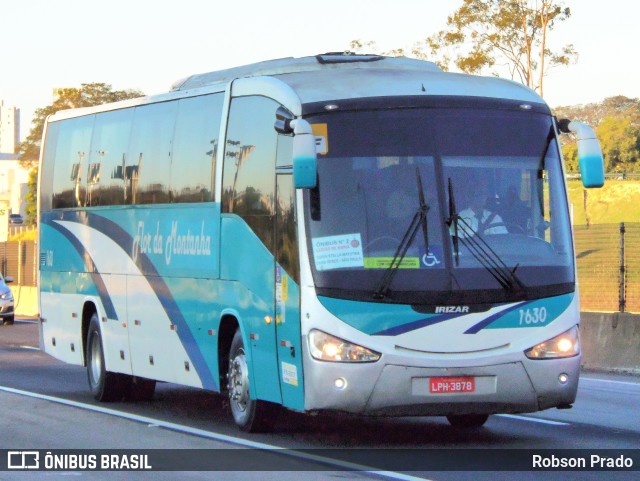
pixel 533 420
pixel 216 436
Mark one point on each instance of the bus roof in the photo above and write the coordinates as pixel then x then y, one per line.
pixel 333 62
pixel 343 75
pixel 338 76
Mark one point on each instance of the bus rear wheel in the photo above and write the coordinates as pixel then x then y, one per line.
pixel 250 415
pixel 468 421
pixel 105 386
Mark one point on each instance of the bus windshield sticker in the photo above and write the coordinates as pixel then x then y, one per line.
pixel 338 251
pixel 385 262
pixel 322 138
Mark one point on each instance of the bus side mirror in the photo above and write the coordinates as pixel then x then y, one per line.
pixel 590 159
pixel 305 167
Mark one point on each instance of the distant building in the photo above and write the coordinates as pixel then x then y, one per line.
pixel 13 177
pixel 9 129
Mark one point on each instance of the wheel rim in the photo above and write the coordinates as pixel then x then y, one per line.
pixel 238 384
pixel 95 361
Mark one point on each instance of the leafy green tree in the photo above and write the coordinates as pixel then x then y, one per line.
pixel 570 155
pixel 371 47
pixel 594 113
pixel 620 141
pixel 484 33
pixel 87 95
pixel 31 197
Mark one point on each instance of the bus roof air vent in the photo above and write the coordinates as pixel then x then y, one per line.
pixel 346 57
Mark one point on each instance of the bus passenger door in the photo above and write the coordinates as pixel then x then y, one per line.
pixel 287 295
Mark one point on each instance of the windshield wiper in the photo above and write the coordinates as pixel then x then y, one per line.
pixel 490 260
pixel 480 249
pixel 453 220
pixel 419 220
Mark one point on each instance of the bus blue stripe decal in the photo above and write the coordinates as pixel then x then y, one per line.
pixel 412 326
pixel 162 291
pixel 402 329
pixel 105 298
pixel 491 319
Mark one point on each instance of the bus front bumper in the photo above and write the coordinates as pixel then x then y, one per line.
pixel 396 390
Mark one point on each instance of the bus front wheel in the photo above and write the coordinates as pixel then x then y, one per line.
pixel 251 415
pixel 105 386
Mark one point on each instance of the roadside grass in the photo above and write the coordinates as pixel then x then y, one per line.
pixel 618 201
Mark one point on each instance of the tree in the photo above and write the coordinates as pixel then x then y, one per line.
pixel 484 34
pixel 87 95
pixel 67 98
pixel 616 121
pixel 31 197
pixel 593 114
pixel 370 47
pixel 620 142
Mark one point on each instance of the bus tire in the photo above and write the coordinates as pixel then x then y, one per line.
pixel 105 386
pixel 250 415
pixel 468 421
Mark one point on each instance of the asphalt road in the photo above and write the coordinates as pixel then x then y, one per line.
pixel 46 405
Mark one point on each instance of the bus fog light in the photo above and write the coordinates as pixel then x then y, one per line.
pixel 566 344
pixel 326 347
pixel 563 378
pixel 340 383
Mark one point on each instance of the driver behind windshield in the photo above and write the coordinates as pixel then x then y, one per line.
pixel 476 218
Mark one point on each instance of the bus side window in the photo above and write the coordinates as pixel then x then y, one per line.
pixel 286 234
pixel 248 178
pixel 71 157
pixel 47 167
pixel 195 146
pixel 109 145
pixel 149 164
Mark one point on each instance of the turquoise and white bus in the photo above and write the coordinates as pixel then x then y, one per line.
pixel 291 234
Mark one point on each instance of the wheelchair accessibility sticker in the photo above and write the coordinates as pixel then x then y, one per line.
pixel 433 258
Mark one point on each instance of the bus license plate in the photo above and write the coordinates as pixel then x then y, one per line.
pixel 448 385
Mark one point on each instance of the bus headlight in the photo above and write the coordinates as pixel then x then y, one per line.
pixel 566 344
pixel 326 347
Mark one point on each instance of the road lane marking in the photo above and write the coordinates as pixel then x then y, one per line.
pixel 218 437
pixel 534 420
pixel 608 381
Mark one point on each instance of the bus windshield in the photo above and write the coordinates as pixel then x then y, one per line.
pixel 495 226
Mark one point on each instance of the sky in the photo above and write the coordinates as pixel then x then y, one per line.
pixel 149 44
